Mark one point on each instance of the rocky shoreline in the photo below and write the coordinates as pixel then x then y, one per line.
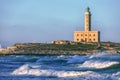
pixel 56 49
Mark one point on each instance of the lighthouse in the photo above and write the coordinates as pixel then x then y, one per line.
pixel 87 20
pixel 87 35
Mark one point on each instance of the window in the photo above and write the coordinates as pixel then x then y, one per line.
pixel 93 34
pixel 89 34
pixel 89 39
pixel 81 34
pixel 85 34
pixel 85 39
pixel 77 39
pixel 77 34
pixel 94 39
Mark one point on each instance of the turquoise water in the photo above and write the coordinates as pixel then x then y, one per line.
pixel 98 66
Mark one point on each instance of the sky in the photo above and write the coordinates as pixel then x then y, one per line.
pixel 44 21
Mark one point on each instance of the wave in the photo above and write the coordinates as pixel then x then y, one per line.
pixel 5 60
pixel 26 70
pixel 77 59
pixel 116 76
pixel 106 56
pixel 96 56
pixel 45 58
pixel 98 64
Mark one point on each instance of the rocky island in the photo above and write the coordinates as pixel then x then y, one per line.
pixel 58 49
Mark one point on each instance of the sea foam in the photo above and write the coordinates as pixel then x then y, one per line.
pixel 27 70
pixel 77 59
pixel 74 75
pixel 98 64
pixel 107 56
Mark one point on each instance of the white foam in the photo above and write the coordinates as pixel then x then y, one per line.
pixel 97 55
pixel 116 76
pixel 26 70
pixel 77 59
pixel 109 56
pixel 98 64
pixel 61 56
pixel 75 75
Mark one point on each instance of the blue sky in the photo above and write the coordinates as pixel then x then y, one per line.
pixel 48 20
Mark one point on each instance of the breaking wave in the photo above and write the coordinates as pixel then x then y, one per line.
pixel 28 70
pixel 98 64
pixel 77 59
pixel 105 56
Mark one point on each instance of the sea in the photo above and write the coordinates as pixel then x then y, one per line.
pixel 97 66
